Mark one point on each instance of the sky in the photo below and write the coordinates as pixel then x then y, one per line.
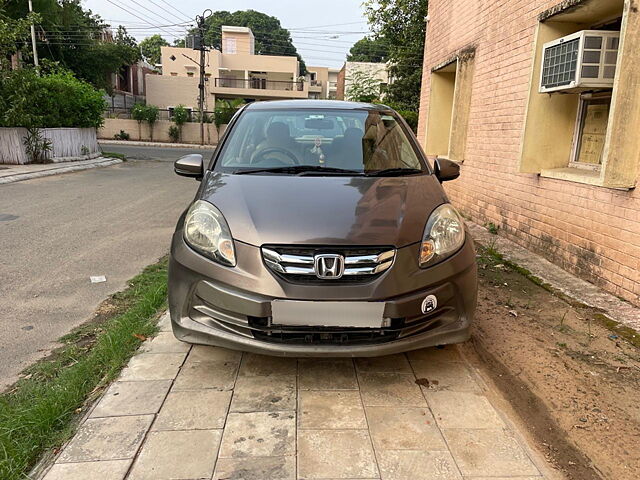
pixel 323 31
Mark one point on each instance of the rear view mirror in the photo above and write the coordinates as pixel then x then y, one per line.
pixel 318 124
pixel 189 166
pixel 446 169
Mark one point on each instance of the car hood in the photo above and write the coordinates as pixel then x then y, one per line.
pixel 327 210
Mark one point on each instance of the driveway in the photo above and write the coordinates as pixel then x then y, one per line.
pixel 195 412
pixel 56 232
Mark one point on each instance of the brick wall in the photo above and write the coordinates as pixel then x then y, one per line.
pixel 591 231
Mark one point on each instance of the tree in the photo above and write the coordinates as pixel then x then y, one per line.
pixel 151 116
pixel 139 114
pixel 77 39
pixel 271 38
pixel 401 25
pixel 13 34
pixel 150 48
pixel 369 50
pixel 363 87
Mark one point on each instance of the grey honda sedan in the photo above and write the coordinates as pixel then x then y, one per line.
pixel 320 229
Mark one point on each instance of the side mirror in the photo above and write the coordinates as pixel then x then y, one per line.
pixel 446 169
pixel 189 166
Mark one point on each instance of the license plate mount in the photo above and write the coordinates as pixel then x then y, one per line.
pixel 327 314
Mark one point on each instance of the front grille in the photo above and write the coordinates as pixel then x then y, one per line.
pixel 298 264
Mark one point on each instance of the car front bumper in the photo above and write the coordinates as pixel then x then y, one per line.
pixel 231 307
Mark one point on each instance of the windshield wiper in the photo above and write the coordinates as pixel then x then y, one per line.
pixel 299 170
pixel 393 172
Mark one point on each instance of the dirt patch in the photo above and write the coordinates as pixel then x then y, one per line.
pixel 572 376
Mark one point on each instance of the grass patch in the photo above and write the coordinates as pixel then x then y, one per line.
pixel 629 334
pixel 490 257
pixel 121 156
pixel 41 411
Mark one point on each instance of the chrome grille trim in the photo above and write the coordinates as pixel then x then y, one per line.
pixel 290 264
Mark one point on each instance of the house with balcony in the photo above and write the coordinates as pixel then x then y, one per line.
pixel 234 72
pixel 322 82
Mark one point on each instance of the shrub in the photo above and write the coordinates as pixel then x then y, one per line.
pixel 55 100
pixel 411 118
pixel 36 146
pixel 122 135
pixel 174 133
pixel 225 109
pixel 180 117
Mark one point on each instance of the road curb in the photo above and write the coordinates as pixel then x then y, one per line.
pixel 58 169
pixel 156 144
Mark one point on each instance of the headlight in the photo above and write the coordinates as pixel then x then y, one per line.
pixel 206 231
pixel 443 235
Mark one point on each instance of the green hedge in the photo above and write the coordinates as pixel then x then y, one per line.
pixel 49 101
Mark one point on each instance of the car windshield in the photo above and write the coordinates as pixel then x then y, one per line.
pixel 357 142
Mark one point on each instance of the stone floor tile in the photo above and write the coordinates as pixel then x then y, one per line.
pixel 264 394
pixel 193 410
pixel 539 477
pixel 404 428
pixel 388 389
pixel 256 468
pixel 111 438
pixel 164 342
pixel 441 375
pixel 326 374
pixel 254 365
pixel 177 455
pixel 397 363
pixel 259 434
pixel 491 452
pixel 463 410
pixel 335 454
pixel 109 470
pixel 132 398
pixel 417 465
pixel 201 375
pixel 153 366
pixel 448 353
pixel 164 324
pixel 331 409
pixel 204 353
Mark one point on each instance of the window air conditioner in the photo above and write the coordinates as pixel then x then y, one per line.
pixel 584 60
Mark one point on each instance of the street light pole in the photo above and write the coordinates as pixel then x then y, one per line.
pixel 200 19
pixel 33 39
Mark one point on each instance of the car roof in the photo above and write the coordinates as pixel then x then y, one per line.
pixel 314 104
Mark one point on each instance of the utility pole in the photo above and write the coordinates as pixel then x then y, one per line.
pixel 200 19
pixel 33 39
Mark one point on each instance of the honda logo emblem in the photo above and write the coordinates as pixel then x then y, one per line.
pixel 329 265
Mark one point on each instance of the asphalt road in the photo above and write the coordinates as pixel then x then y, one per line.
pixel 57 231
pixel 150 153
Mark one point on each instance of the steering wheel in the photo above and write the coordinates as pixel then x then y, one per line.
pixel 260 156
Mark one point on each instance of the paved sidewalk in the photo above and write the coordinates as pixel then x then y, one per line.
pixel 104 141
pixel 17 173
pixel 182 412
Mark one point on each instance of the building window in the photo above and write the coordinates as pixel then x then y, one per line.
pixel 449 107
pixel 591 130
pixel 174 74
pixel 189 74
pixel 580 129
pixel 230 45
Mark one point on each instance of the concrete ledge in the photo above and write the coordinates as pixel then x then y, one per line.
pixel 27 172
pixel 559 279
pixel 136 143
